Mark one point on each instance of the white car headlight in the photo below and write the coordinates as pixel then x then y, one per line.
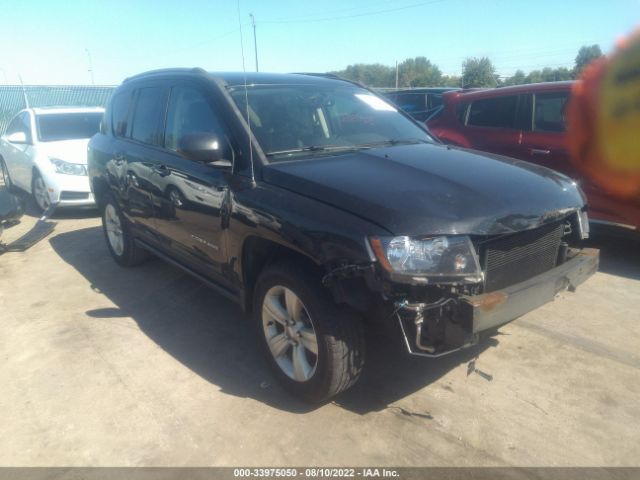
pixel 451 257
pixel 68 168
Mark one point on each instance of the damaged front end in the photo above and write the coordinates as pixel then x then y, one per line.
pixel 501 278
pixel 435 329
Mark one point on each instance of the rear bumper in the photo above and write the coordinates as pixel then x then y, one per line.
pixel 470 315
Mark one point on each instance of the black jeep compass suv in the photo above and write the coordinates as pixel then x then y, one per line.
pixel 321 208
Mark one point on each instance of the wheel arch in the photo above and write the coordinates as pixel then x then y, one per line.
pixel 100 188
pixel 3 162
pixel 258 253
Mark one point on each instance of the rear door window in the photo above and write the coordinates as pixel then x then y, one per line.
pixel 148 116
pixel 120 113
pixel 549 112
pixel 499 112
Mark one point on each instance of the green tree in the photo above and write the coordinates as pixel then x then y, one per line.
pixel 478 72
pixel 534 76
pixel 418 72
pixel 372 75
pixel 517 78
pixel 563 73
pixel 586 55
pixel 450 81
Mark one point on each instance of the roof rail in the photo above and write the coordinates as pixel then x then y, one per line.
pixel 318 74
pixel 166 71
pixel 332 76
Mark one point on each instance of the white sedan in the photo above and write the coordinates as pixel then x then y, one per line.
pixel 44 152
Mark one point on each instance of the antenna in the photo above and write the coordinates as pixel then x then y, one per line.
pixel 246 100
pixel 255 41
pixel 24 93
pixel 90 65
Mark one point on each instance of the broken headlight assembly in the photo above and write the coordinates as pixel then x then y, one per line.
pixel 440 259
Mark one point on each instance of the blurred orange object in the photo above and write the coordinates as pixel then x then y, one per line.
pixel 604 120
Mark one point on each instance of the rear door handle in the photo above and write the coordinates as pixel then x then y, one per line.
pixel 162 170
pixel 539 151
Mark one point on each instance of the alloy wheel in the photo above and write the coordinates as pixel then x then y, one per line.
pixel 40 193
pixel 114 229
pixel 290 334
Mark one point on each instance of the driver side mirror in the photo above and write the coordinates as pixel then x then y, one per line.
pixel 206 148
pixel 17 137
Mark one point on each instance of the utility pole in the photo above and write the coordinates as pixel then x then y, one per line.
pixel 255 41
pixel 396 74
pixel 90 69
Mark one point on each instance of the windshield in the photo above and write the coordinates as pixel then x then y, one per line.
pixel 297 120
pixel 67 126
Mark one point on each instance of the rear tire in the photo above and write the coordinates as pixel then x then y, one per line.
pixel 120 241
pixel 315 348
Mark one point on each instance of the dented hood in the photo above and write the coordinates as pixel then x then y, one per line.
pixel 429 189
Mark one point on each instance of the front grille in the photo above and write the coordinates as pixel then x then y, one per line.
pixel 515 258
pixel 74 195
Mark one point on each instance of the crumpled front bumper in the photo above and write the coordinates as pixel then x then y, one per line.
pixel 468 315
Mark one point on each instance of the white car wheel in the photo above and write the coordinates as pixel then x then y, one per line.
pixel 40 193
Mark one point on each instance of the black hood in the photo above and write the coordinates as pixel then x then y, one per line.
pixel 429 189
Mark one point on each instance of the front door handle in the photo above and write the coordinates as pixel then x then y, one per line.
pixel 162 170
pixel 539 151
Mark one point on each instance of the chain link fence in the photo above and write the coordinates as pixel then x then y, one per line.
pixel 14 98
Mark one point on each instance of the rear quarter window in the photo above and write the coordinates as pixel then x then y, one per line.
pixel 434 100
pixel 499 112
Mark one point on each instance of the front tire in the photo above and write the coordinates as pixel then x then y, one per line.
pixel 119 239
pixel 6 178
pixel 39 192
pixel 315 348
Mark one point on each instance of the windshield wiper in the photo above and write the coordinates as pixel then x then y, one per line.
pixel 392 142
pixel 334 148
pixel 314 148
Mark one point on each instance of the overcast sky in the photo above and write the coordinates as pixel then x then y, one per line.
pixel 53 42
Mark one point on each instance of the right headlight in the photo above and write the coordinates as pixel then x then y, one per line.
pixel 448 258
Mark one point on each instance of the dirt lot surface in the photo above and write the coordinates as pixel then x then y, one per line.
pixel 109 366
